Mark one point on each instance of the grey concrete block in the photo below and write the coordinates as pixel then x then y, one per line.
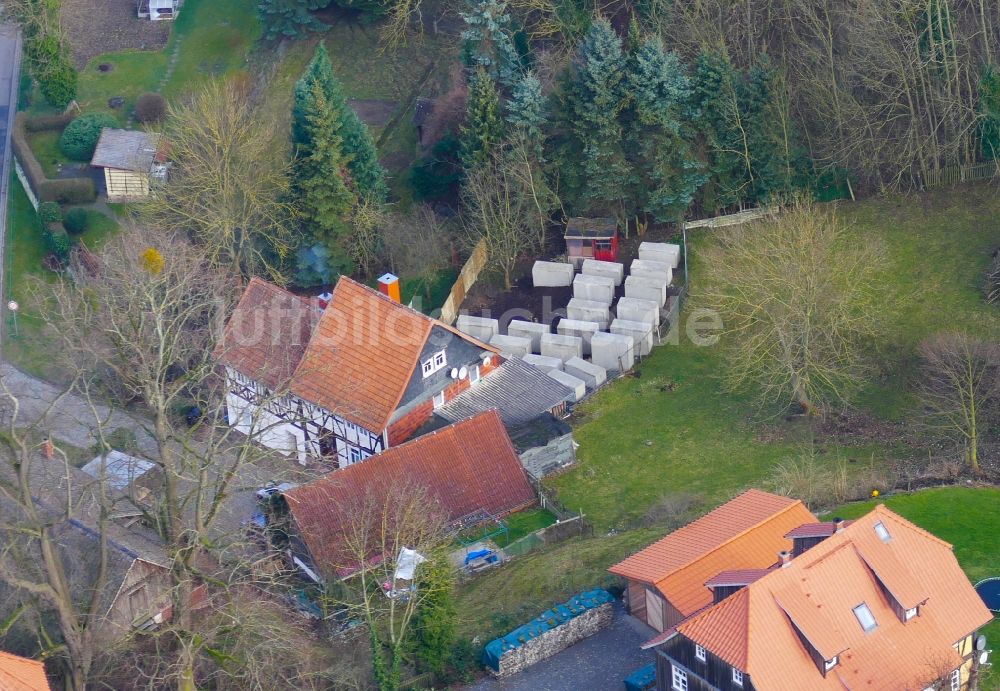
pixel 641 333
pixel 661 252
pixel 562 347
pixel 613 352
pixel 513 346
pixel 596 288
pixel 652 269
pixel 613 270
pixel 589 311
pixel 552 274
pixel 578 386
pixel 593 375
pixel 478 327
pixel 543 362
pixel 582 329
pixel 532 330
pixel 638 310
pixel 647 288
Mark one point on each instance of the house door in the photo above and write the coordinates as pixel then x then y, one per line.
pixel 654 610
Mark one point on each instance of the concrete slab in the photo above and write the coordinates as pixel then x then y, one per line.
pixel 593 375
pixel 638 310
pixel 647 288
pixel 596 288
pixel 478 327
pixel 562 347
pixel 543 362
pixel 552 274
pixel 641 333
pixel 589 311
pixel 513 346
pixel 531 330
pixel 583 329
pixel 613 352
pixel 613 270
pixel 653 269
pixel 578 386
pixel 661 252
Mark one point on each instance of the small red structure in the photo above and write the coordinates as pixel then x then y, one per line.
pixel 591 238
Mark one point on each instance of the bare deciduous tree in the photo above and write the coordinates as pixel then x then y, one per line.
pixel 798 300
pixel 959 381
pixel 416 244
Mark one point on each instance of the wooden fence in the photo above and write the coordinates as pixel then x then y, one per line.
pixel 466 279
pixel 952 175
pixel 731 219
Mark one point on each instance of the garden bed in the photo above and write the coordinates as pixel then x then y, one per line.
pixel 99 26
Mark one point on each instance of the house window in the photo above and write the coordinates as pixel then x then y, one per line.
pixel 830 664
pixel 355 454
pixel 433 364
pixel 602 245
pixel 474 374
pixel 737 677
pixel 910 613
pixel 439 400
pixel 699 652
pixel 865 617
pixel 680 679
pixel 882 532
pixel 956 679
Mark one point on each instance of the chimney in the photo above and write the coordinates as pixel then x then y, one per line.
pixel 784 558
pixel 838 524
pixel 388 285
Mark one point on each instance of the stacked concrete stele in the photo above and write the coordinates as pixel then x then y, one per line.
pixel 552 274
pixel 577 385
pixel 647 288
pixel 583 329
pixel 652 269
pixel 478 327
pixel 638 310
pixel 545 363
pixel 613 352
pixel 593 375
pixel 562 347
pixel 530 330
pixel 595 267
pixel 641 333
pixel 589 311
pixel 661 252
pixel 513 346
pixel 595 288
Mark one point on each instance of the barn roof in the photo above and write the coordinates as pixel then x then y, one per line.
pixel 591 228
pixel 125 149
pixel 21 674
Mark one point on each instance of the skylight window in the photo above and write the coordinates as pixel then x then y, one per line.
pixel 865 617
pixel 882 532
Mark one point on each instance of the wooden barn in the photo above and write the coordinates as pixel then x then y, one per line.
pixel 129 159
pixel 591 238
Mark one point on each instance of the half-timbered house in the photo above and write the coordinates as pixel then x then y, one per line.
pixel 342 381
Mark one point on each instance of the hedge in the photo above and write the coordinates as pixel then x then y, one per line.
pixel 40 123
pixel 65 191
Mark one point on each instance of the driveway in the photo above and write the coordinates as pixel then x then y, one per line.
pixel 598 663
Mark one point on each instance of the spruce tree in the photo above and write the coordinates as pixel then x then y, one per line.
pixel 488 41
pixel 289 18
pixel 665 172
pixel 524 112
pixel 483 128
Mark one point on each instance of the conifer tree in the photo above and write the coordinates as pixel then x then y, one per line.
pixel 525 115
pixel 483 129
pixel 488 41
pixel 289 18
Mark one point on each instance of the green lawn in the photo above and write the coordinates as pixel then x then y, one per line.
pixel 524 523
pixel 45 146
pixel 134 72
pixel 967 518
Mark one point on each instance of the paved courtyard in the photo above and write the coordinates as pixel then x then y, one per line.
pixel 600 662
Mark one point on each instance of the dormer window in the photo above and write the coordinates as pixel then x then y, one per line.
pixel 830 664
pixel 737 677
pixel 699 652
pixel 910 613
pixel 865 617
pixel 433 364
pixel 882 532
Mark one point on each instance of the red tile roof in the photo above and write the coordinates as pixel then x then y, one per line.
pixel 761 628
pixel 808 530
pixel 735 577
pixel 744 533
pixel 466 467
pixel 267 333
pixel 21 674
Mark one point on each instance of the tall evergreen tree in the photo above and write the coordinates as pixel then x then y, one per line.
pixel 289 18
pixel 665 172
pixel 488 41
pixel 364 166
pixel 483 129
pixel 524 112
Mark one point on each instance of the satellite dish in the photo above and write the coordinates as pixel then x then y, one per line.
pixel 980 642
pixel 454 373
pixel 487 360
pixel 463 373
pixel 984 657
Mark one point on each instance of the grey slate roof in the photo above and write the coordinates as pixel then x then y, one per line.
pixel 591 227
pixel 125 149
pixel 519 391
pixel 121 470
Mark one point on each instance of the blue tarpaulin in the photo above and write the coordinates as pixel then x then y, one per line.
pixel 642 678
pixel 560 614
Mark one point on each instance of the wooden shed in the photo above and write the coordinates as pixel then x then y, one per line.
pixel 129 159
pixel 591 238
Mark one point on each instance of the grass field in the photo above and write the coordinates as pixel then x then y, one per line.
pixel 134 72
pixel 45 146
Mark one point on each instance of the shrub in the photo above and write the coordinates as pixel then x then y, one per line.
pixel 80 137
pixel 40 123
pixel 59 243
pixel 75 221
pixel 57 81
pixel 150 107
pixel 50 213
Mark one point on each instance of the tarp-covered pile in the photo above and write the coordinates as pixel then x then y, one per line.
pixel 642 678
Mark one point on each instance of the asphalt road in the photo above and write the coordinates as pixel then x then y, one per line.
pixel 10 73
